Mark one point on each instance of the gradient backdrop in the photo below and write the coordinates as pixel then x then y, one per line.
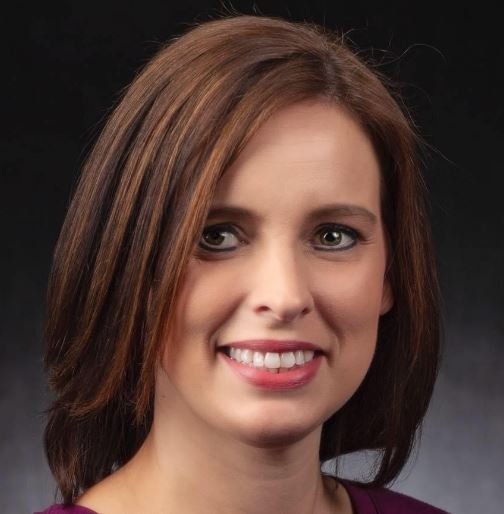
pixel 62 69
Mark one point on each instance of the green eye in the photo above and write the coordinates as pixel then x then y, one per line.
pixel 337 237
pixel 225 238
pixel 214 237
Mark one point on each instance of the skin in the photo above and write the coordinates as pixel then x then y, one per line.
pixel 218 444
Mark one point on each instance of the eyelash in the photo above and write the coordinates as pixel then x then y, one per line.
pixel 328 227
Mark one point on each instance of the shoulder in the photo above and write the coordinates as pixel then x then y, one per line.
pixel 385 498
pixel 69 509
pixel 380 500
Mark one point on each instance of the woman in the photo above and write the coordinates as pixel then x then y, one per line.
pixel 244 285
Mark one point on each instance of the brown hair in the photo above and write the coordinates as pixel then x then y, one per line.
pixel 139 209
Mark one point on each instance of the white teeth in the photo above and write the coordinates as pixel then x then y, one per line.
pixel 287 360
pixel 300 357
pixel 247 356
pixel 308 355
pixel 258 360
pixel 271 361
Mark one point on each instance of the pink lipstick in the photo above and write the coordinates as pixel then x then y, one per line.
pixel 294 378
pixel 273 345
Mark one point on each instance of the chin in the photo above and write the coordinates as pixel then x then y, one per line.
pixel 269 432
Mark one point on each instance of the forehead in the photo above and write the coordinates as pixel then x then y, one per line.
pixel 311 152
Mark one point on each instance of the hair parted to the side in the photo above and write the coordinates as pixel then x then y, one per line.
pixel 139 209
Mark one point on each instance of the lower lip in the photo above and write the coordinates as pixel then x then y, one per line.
pixel 287 380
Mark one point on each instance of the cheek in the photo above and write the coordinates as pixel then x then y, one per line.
pixel 351 307
pixel 208 296
pixel 205 302
pixel 352 294
pixel 348 293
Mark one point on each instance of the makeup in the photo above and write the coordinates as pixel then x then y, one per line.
pixel 263 379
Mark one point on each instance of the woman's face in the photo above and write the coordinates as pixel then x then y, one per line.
pixel 302 260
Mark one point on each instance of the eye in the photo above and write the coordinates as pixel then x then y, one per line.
pixel 337 237
pixel 225 238
pixel 219 238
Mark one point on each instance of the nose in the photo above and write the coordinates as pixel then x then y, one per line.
pixel 280 287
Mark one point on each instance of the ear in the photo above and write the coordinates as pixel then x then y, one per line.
pixel 387 297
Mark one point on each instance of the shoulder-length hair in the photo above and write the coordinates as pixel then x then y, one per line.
pixel 139 209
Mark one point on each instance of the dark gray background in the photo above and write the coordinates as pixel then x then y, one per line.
pixel 63 67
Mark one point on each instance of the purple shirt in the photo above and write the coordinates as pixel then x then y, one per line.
pixel 364 501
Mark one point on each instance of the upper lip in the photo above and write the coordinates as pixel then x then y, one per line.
pixel 274 345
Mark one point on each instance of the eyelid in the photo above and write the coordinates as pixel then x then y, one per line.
pixel 354 234
pixel 233 229
pixel 221 227
pixel 340 226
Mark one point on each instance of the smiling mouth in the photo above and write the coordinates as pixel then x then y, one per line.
pixel 273 362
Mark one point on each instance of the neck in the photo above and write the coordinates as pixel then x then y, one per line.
pixel 185 466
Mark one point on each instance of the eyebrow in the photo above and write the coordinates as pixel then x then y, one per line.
pixel 326 210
